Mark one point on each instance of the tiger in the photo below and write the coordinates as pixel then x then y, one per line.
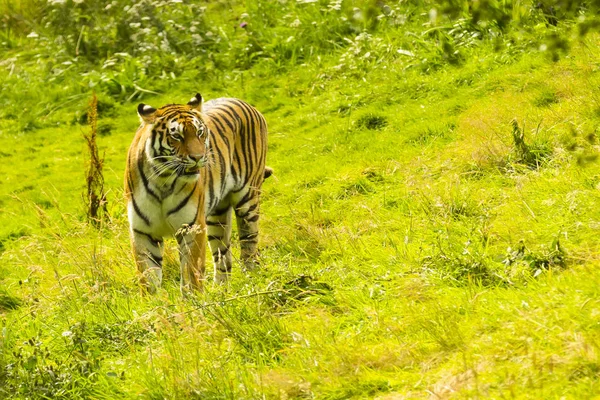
pixel 189 167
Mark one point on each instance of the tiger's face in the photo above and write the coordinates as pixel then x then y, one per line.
pixel 179 141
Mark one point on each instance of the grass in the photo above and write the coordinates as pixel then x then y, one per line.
pixel 415 241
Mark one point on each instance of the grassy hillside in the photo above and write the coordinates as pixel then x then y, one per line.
pixel 430 231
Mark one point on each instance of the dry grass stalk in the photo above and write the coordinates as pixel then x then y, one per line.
pixel 95 197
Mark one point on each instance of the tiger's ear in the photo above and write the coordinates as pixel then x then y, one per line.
pixel 147 113
pixel 196 102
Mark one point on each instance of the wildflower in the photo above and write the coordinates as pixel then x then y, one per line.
pixel 243 25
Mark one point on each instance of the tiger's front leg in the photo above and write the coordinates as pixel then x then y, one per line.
pixel 147 252
pixel 192 256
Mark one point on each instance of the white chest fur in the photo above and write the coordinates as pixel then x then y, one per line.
pixel 160 212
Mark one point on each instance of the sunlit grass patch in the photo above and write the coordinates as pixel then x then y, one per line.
pixel 414 243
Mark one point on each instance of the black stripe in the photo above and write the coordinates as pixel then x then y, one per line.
pixel 184 201
pixel 236 162
pixel 255 133
pixel 139 212
pixel 249 236
pixel 250 209
pixel 253 218
pixel 240 155
pixel 211 191
pixel 218 213
pixel 225 120
pixel 157 259
pixel 173 185
pixel 220 130
pixel 218 126
pixel 140 166
pixel 195 216
pixel 261 134
pixel 250 142
pixel 222 251
pixel 217 223
pixel 230 112
pixel 153 138
pixel 213 237
pixel 244 153
pixel 247 197
pixel 181 189
pixel 222 172
pixel 155 241
pixel 130 181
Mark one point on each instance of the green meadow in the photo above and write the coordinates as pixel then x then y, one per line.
pixel 432 228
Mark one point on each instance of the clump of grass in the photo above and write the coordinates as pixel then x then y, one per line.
pixel 546 98
pixel 121 336
pixel 373 175
pixel 531 155
pixel 462 269
pixel 38 371
pixel 8 302
pixel 372 121
pixel 357 187
pixel 4 240
pixel 304 288
pixel 431 134
pixel 522 260
pixel 259 335
pixel 461 266
pixel 105 128
pixel 443 327
pixel 582 143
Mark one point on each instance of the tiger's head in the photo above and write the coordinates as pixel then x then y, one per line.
pixel 179 140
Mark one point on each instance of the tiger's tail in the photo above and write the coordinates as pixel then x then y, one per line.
pixel 268 172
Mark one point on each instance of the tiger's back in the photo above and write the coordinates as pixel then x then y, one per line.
pixel 237 160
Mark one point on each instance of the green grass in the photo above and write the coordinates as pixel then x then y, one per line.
pixel 411 246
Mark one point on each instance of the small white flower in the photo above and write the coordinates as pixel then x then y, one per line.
pixel 67 333
pixel 406 52
pixel 33 35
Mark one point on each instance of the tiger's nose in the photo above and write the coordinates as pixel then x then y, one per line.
pixel 197 159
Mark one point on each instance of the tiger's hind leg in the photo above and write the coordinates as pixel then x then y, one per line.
pixel 219 237
pixel 147 252
pixel 247 213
